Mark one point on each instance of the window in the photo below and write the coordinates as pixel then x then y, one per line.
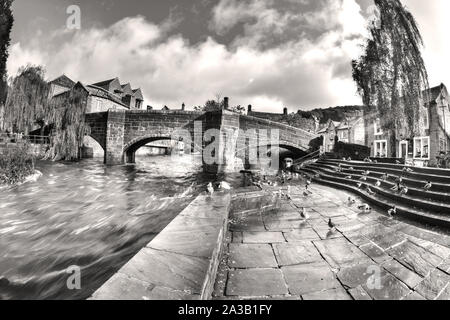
pixel 422 148
pixel 343 135
pixel 377 126
pixel 380 149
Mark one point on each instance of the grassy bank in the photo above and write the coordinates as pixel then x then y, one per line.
pixel 16 164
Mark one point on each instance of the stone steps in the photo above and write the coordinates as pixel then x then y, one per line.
pixel 427 213
pixel 415 189
pixel 413 180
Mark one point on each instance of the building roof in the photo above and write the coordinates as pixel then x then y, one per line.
pixel 432 94
pixel 138 94
pixel 102 93
pixel 104 83
pixel 63 81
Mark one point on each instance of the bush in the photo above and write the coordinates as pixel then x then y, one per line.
pixel 16 164
pixel 354 151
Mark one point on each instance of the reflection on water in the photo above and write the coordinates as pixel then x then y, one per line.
pixel 88 215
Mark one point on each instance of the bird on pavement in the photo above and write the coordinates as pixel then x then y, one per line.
pixel 331 224
pixel 351 201
pixel 303 214
pixel 210 189
pixel 428 186
pixel 392 211
pixel 364 207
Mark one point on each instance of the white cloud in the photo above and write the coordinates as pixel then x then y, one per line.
pixel 295 72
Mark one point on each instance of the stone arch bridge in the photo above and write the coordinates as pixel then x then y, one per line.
pixel 122 133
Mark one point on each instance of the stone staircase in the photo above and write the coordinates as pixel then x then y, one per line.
pixel 429 207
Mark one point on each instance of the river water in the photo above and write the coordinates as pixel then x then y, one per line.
pixel 87 215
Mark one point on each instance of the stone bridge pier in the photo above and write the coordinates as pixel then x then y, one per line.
pixel 226 140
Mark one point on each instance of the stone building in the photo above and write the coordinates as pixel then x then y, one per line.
pixel 348 131
pixel 423 149
pixel 102 96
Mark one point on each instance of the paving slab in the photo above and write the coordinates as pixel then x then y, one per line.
pixel 339 252
pixel 402 273
pixel 359 294
pixel 357 275
pixel 310 278
pixel 256 283
pixel 289 254
pixel 246 256
pixel 375 252
pixel 263 237
pixel 332 295
pixel 301 235
pixel 391 289
pixel 415 258
pixel 433 285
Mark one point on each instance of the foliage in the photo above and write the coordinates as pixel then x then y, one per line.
pixel 27 101
pixel 6 23
pixel 315 144
pixel 67 115
pixel 16 164
pixel 391 73
pixel 354 151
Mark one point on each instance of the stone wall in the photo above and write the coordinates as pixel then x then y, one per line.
pixel 181 262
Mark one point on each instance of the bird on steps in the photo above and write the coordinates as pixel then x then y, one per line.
pixel 385 177
pixel 394 188
pixel 428 186
pixel 366 173
pixel 359 185
pixel 392 212
pixel 351 168
pixel 397 162
pixel 349 177
pixel 363 178
pixel 404 191
pixel 303 214
pixel 370 191
pixel 378 184
pixel 210 189
pixel 405 169
pixel 331 224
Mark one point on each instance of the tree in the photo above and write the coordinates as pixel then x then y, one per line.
pixel 6 23
pixel 391 74
pixel 27 102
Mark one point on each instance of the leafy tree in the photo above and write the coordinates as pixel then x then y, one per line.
pixel 391 74
pixel 27 100
pixel 6 23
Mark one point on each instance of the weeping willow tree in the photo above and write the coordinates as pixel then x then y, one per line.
pixel 6 23
pixel 27 100
pixel 66 113
pixel 391 74
pixel 29 106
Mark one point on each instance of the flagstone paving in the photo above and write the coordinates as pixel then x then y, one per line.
pixel 279 255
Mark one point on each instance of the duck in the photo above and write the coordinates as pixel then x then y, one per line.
pixel 392 211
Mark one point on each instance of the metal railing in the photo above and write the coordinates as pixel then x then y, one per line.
pixel 311 156
pixel 15 138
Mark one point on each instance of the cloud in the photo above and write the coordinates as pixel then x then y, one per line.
pixel 272 63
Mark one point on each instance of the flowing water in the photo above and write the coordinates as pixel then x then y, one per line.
pixel 87 215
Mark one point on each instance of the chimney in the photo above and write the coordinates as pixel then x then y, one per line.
pixel 249 108
pixel 225 103
pixel 183 106
pixel 285 111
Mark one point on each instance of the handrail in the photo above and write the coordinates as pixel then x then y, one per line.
pixel 17 138
pixel 307 156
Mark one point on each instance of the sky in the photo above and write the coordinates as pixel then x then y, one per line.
pixel 268 53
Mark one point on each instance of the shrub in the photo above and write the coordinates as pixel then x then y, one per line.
pixel 16 164
pixel 354 151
